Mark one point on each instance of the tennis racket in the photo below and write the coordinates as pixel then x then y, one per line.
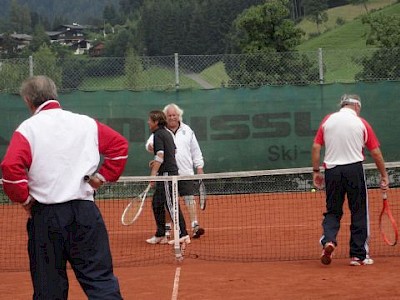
pixel 202 195
pixel 134 208
pixel 387 224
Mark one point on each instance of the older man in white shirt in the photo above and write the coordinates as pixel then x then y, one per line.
pixel 188 157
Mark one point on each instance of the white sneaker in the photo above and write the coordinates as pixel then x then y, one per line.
pixel 157 240
pixel 185 239
pixel 355 261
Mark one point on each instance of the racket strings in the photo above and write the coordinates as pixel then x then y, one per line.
pixel 131 211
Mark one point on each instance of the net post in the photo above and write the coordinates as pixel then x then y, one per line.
pixel 175 218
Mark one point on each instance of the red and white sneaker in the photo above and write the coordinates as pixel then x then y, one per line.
pixel 326 256
pixel 355 261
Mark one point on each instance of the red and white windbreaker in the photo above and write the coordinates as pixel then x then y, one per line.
pixel 51 152
pixel 344 135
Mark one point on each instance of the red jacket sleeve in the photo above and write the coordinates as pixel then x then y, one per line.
pixel 319 136
pixel 372 141
pixel 16 162
pixel 114 147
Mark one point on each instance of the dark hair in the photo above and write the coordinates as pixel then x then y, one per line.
pixel 158 116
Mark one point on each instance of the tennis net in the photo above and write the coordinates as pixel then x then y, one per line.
pixel 270 215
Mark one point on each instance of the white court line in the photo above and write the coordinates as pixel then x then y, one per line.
pixel 176 284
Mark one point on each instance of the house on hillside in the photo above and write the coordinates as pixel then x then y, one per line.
pixel 97 50
pixel 17 41
pixel 73 36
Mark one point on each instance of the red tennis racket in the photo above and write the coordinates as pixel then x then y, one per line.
pixel 387 224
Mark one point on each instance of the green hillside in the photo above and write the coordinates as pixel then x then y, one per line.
pixel 348 36
pixel 344 44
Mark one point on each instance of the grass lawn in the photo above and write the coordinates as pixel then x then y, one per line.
pixel 347 13
pixel 215 75
pixel 153 78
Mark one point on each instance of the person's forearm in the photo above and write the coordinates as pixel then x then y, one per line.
pixel 154 168
pixel 315 156
pixel 379 161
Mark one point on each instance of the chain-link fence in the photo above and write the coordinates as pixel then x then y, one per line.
pixel 205 71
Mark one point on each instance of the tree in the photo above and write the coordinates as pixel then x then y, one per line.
pixel 128 7
pixel 37 19
pixel 45 63
pixel 266 27
pixel 267 38
pixel 133 70
pixel 110 15
pixel 384 30
pixel 119 43
pixel 39 38
pixel 12 73
pixel 385 62
pixel 20 17
pixel 315 11
pixel 188 26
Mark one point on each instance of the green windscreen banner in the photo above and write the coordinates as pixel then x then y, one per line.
pixel 238 129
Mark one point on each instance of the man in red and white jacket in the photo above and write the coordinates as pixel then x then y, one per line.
pixel 344 134
pixel 43 170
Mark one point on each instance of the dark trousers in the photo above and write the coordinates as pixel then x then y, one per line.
pixel 71 232
pixel 162 200
pixel 340 181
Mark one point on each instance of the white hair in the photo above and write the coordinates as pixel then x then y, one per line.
pixel 178 110
pixel 350 99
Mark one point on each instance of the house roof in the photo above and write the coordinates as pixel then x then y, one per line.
pixel 75 26
pixel 53 33
pixel 19 36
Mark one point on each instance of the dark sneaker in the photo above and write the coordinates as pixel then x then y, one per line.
pixel 197 232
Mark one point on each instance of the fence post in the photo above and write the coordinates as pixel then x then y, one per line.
pixel 176 71
pixel 321 66
pixel 30 66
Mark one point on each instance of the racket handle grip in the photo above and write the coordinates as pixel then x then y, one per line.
pixel 384 195
pixel 86 178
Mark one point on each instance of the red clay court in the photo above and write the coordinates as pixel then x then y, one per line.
pixel 256 246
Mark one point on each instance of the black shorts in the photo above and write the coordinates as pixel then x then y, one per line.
pixel 186 187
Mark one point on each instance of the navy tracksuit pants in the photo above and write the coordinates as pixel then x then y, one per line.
pixel 71 232
pixel 162 200
pixel 340 181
